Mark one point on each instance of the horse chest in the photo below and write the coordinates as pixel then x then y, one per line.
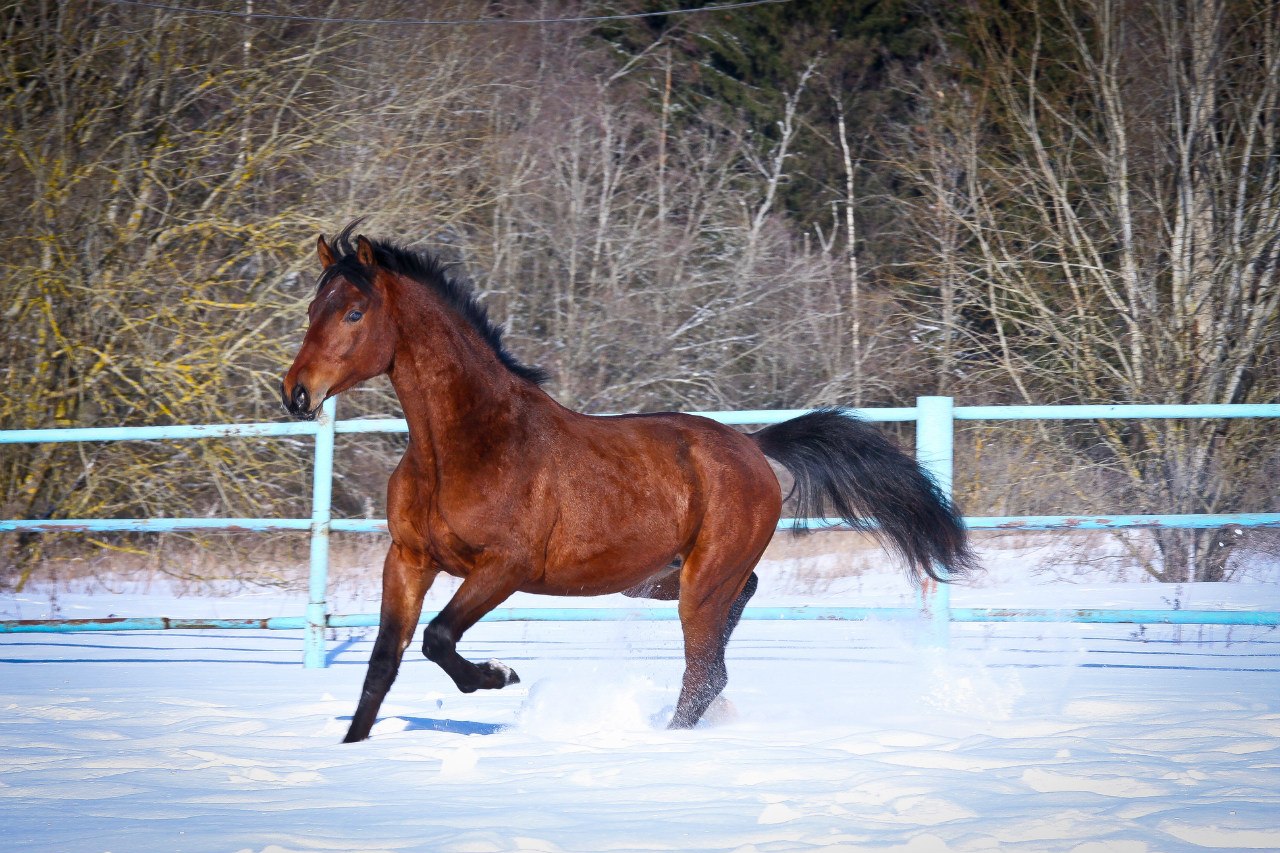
pixel 451 541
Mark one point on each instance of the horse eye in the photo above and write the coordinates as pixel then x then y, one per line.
pixel 354 315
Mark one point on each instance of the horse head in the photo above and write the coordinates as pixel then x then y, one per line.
pixel 350 334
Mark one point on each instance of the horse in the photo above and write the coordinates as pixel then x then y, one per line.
pixel 506 489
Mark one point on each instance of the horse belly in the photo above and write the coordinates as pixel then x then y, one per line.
pixel 600 552
pixel 631 499
pixel 606 574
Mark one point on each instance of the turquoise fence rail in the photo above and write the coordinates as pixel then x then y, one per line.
pixel 935 419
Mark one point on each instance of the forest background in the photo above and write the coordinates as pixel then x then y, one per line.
pixel 782 205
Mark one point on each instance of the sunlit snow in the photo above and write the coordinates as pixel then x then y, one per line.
pixel 831 735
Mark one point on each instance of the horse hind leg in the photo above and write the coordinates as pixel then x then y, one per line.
pixel 405 581
pixel 707 625
pixel 739 605
pixel 664 586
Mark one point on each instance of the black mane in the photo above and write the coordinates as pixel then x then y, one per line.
pixel 428 270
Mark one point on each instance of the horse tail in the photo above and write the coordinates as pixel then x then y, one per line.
pixel 845 468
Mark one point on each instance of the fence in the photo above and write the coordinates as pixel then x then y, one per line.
pixel 935 419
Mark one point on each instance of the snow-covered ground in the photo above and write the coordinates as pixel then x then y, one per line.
pixel 835 736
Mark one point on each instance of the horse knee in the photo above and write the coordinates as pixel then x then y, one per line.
pixel 437 642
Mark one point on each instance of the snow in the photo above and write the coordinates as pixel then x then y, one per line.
pixel 832 735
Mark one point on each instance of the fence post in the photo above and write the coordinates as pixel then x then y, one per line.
pixel 935 443
pixel 321 497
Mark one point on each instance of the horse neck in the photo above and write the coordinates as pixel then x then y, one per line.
pixel 457 396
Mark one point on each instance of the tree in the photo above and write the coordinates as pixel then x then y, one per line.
pixel 1118 189
pixel 168 173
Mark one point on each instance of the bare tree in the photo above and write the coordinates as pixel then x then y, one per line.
pixel 1120 211
pixel 647 258
pixel 166 171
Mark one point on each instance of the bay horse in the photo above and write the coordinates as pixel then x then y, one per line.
pixel 510 491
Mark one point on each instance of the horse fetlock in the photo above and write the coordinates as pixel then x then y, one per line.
pixel 683 719
pixel 697 696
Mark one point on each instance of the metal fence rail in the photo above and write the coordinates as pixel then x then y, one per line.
pixel 934 417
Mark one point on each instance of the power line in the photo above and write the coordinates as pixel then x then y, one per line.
pixel 218 13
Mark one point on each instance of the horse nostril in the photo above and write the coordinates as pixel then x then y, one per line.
pixel 299 404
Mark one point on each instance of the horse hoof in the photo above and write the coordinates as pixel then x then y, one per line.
pixel 496 675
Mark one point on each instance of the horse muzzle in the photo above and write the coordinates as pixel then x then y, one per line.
pixel 298 402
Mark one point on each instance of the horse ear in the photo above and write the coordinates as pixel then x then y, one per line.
pixel 364 252
pixel 324 252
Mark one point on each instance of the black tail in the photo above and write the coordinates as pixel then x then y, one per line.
pixel 845 468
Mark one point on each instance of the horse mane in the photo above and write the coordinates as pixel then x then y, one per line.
pixel 430 271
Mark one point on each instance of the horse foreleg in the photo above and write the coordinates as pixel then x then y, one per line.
pixel 405 580
pixel 479 593
pixel 707 628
